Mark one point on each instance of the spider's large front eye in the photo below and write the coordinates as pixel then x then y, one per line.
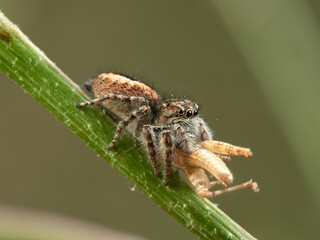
pixel 189 113
pixel 181 112
pixel 195 112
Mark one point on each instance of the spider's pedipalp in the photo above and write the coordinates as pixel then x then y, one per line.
pixel 205 133
pixel 183 143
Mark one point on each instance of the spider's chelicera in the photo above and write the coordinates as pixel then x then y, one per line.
pixel 170 130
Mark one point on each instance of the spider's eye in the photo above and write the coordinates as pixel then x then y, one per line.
pixel 195 112
pixel 181 112
pixel 189 113
pixel 168 104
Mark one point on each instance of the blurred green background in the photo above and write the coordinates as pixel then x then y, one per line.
pixel 253 67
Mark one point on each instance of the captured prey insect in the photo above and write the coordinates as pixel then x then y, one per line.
pixel 170 130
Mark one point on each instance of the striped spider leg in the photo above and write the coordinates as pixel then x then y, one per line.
pixel 141 111
pixel 163 139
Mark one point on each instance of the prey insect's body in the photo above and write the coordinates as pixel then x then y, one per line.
pixel 170 130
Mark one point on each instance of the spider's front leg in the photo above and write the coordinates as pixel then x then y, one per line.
pixel 148 135
pixel 124 123
pixel 168 144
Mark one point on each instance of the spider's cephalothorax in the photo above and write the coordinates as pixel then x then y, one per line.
pixel 170 130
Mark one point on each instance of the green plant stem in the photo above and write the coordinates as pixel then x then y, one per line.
pixel 24 63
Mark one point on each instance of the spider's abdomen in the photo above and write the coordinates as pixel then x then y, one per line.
pixel 110 83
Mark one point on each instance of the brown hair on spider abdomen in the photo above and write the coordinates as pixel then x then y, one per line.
pixel 118 84
pixel 111 83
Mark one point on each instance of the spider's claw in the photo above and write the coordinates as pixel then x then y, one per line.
pixel 157 174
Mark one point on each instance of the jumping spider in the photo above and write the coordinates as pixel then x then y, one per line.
pixel 170 130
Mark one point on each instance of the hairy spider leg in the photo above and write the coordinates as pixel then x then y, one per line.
pixel 226 148
pixel 112 96
pixel 124 123
pixel 168 143
pixel 207 194
pixel 147 134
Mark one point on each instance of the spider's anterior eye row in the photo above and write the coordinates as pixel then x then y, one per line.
pixel 195 112
pixel 189 113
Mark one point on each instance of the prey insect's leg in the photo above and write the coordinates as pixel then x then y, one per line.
pixel 148 137
pixel 249 184
pixel 226 148
pixel 124 123
pixel 205 193
pixel 214 183
pixel 112 96
pixel 168 143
